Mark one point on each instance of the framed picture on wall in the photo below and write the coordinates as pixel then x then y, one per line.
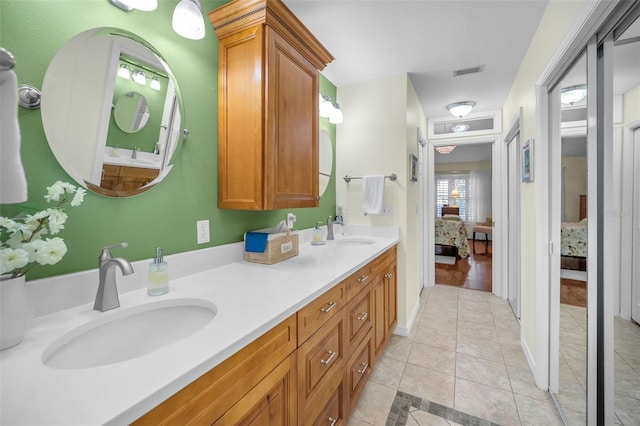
pixel 413 161
pixel 527 161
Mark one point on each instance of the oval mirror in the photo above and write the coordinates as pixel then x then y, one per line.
pixel 111 112
pixel 326 160
pixel 130 112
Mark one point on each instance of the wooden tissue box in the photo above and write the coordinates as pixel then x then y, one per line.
pixel 278 247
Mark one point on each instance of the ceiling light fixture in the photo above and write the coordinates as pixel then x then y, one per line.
pixel 460 109
pixel 124 71
pixel 139 77
pixel 460 128
pixel 326 106
pixel 155 83
pixel 445 149
pixel 573 94
pixel 336 116
pixel 187 19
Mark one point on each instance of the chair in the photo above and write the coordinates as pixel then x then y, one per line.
pixel 485 228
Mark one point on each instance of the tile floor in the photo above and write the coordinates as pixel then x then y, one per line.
pixel 573 341
pixel 462 364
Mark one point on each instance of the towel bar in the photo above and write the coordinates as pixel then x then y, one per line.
pixel 392 177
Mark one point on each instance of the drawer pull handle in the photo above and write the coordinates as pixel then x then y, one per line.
pixel 363 316
pixel 388 274
pixel 362 278
pixel 364 368
pixel 329 307
pixel 332 354
pixel 332 421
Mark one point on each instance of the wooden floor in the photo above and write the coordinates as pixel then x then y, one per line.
pixel 474 272
pixel 573 292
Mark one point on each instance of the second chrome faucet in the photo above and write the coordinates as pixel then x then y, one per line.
pixel 107 296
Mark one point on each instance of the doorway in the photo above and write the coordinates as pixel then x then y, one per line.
pixel 512 196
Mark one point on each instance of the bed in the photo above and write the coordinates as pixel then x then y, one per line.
pixel 573 245
pixel 450 231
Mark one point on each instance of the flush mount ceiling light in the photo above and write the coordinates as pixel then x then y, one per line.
pixel 187 19
pixel 155 83
pixel 460 109
pixel 460 128
pixel 124 71
pixel 139 77
pixel 573 94
pixel 129 5
pixel 445 149
pixel 336 116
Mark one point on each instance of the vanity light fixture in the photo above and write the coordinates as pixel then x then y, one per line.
pixel 336 116
pixel 460 128
pixel 124 71
pixel 573 94
pixel 129 5
pixel 326 106
pixel 445 149
pixel 155 83
pixel 187 19
pixel 139 77
pixel 460 109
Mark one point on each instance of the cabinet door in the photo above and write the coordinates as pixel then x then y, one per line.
pixel 379 323
pixel 391 302
pixel 292 127
pixel 359 370
pixel 271 402
pixel 240 120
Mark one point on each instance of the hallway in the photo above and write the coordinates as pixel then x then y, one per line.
pixel 462 364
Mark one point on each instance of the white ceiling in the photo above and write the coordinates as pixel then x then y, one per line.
pixel 428 39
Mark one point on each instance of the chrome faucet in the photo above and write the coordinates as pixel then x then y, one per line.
pixel 134 153
pixel 107 296
pixel 330 223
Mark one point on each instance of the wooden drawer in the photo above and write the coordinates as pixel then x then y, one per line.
pixel 358 280
pixel 332 413
pixel 381 262
pixel 359 369
pixel 318 312
pixel 206 399
pixel 321 361
pixel 359 314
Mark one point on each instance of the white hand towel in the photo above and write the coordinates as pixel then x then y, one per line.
pixel 372 194
pixel 13 183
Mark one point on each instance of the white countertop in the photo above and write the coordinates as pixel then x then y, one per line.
pixel 250 299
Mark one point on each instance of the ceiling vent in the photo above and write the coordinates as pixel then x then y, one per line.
pixel 458 73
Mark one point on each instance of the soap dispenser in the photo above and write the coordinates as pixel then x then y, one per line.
pixel 158 275
pixel 318 236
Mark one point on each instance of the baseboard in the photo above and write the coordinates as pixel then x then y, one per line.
pixel 404 330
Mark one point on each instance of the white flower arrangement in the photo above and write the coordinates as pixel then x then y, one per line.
pixel 22 245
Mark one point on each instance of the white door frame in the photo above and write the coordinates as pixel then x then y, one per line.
pixel 422 250
pixel 634 219
pixel 496 187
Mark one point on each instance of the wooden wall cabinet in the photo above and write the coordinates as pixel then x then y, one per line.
pixel 268 88
pixel 126 178
pixel 384 291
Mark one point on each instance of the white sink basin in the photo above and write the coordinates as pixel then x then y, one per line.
pixel 129 333
pixel 354 241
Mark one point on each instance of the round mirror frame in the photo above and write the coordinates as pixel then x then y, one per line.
pixel 77 105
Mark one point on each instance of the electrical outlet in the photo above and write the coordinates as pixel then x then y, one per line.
pixel 387 210
pixel 203 231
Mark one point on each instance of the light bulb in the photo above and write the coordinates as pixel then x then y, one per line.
pixel 336 116
pixel 188 21
pixel 124 71
pixel 155 83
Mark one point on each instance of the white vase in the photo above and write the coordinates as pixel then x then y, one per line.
pixel 16 310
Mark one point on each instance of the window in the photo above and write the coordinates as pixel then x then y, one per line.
pixel 445 183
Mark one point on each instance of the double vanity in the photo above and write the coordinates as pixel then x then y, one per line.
pixel 299 337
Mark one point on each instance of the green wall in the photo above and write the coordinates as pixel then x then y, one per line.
pixel 165 216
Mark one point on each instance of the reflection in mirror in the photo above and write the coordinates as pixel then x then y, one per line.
pixel 111 112
pixel 572 346
pixel 326 160
pixel 130 112
pixel 626 135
